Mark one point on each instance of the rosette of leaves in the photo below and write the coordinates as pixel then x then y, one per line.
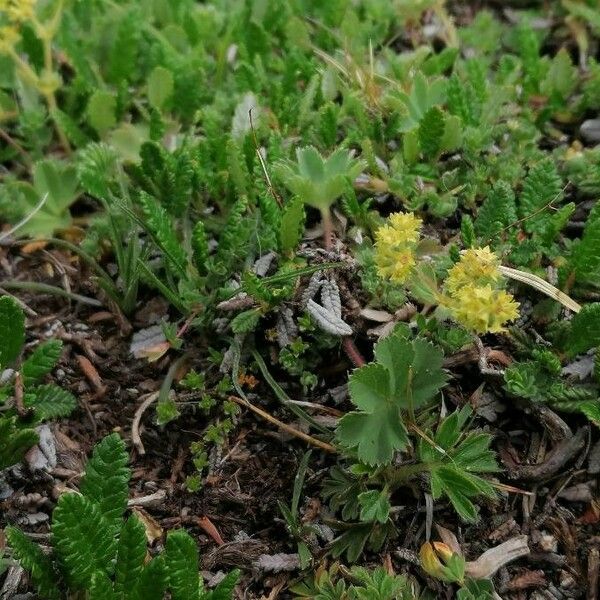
pixel 405 375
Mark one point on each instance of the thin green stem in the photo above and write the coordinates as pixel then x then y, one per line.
pixel 44 288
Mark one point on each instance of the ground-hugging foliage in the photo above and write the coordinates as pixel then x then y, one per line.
pixel 96 550
pixel 25 400
pixel 279 172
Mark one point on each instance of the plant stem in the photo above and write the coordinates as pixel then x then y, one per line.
pixel 352 352
pixel 44 288
pixel 327 228
pixel 284 426
pixel 46 34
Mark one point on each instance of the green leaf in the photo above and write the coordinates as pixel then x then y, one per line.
pixel 57 183
pixel 101 588
pixel 454 460
pixel 406 374
pixel 498 211
pixel 561 78
pixel 585 329
pixel 106 480
pixel 452 138
pixel 160 226
pixel 101 111
pixel 246 321
pixel 225 588
pixel 12 331
pixel 292 226
pixel 541 187
pixel 318 182
pixel 375 506
pixel 431 132
pixel 467 231
pixel 96 169
pixel 585 259
pixel 182 565
pixel 586 13
pixel 352 542
pixel 152 583
pixel 73 132
pixel 131 554
pixel 50 402
pixel 160 87
pixel 16 441
pixel 200 248
pixel 35 562
pixel 591 409
pixel 41 361
pixel 310 164
pixel 83 539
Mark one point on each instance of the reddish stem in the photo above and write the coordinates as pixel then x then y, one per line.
pixel 353 352
pixel 327 229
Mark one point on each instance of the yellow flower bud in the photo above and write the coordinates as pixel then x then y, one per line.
pixel 429 556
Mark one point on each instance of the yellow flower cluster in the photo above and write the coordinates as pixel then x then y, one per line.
pixel 13 13
pixel 395 245
pixel 476 265
pixel 17 11
pixel 474 295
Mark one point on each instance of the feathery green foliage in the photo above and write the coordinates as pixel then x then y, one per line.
pixel 46 401
pixel 97 552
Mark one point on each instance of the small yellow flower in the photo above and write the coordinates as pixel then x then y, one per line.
pixel 394 263
pixel 482 308
pixel 18 11
pixel 395 246
pixel 477 266
pixel 9 36
pixel 406 226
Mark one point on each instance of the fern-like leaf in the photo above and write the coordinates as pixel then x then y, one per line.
pixel 182 566
pixel 158 223
pixel 234 237
pixel 237 169
pixel 200 248
pixel 101 588
pixel 106 480
pixel 431 131
pixel 40 362
pixel 35 562
pixel 84 540
pixel 497 212
pixel 96 168
pixel 131 553
pixel 50 402
pixel 541 187
pixel 585 329
pixel 12 330
pixel 585 259
pixel 15 441
pixel 292 226
pixel 152 582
